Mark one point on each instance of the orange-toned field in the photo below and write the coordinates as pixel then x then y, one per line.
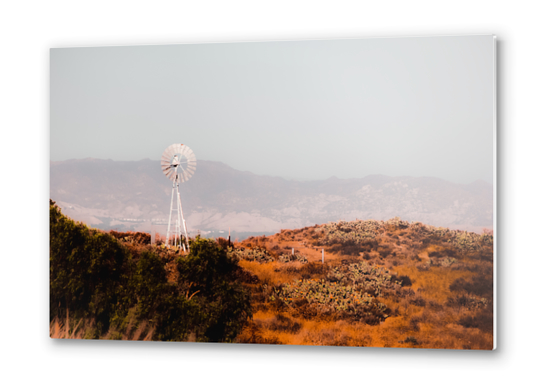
pixel 444 300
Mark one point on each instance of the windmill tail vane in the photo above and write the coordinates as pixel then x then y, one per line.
pixel 178 163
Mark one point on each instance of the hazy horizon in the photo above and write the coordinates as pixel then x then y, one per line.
pixel 309 110
pixel 285 178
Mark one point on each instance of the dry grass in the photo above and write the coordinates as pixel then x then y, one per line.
pixel 438 331
pixel 421 316
pixel 79 329
pixel 266 272
pixel 62 330
pixel 434 283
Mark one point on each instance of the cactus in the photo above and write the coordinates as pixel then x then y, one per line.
pixel 257 254
pixel 287 258
pixel 353 231
pixel 351 290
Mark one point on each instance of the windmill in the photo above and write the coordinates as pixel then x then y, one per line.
pixel 178 164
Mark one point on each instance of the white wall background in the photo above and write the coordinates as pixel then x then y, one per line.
pixel 29 28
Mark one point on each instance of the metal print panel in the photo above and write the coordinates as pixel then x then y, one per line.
pixel 326 192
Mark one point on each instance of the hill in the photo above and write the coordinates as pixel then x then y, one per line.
pixel 359 283
pixel 382 284
pixel 126 195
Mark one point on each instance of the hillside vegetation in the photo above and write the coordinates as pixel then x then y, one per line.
pixel 383 283
pixel 118 286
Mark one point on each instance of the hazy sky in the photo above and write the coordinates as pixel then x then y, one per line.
pixel 305 109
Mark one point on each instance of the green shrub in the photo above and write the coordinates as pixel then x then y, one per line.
pixel 89 272
pixel 257 254
pixel 365 277
pixel 288 257
pixel 168 311
pixel 95 278
pixel 319 297
pixel 224 303
pixel 353 232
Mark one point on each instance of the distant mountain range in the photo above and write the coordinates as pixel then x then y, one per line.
pixel 129 194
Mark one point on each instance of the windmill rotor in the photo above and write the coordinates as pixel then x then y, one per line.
pixel 178 162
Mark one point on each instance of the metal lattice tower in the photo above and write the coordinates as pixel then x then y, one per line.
pixel 178 164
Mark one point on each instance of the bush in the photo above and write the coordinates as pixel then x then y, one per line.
pixel 312 270
pixel 418 300
pixel 479 287
pixel 367 278
pixel 483 321
pixel 404 280
pixel 224 243
pixel 319 297
pixel 411 340
pixel 257 254
pixel 224 303
pixel 467 301
pixel 284 324
pixel 133 237
pixel 96 279
pixel 170 313
pixel 288 257
pixel 89 272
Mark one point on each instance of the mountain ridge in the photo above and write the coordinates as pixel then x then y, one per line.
pixel 221 197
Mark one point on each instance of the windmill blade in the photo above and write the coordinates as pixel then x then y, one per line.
pixel 183 176
pixel 169 152
pixel 177 148
pixel 166 167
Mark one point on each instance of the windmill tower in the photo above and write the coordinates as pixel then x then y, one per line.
pixel 178 164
